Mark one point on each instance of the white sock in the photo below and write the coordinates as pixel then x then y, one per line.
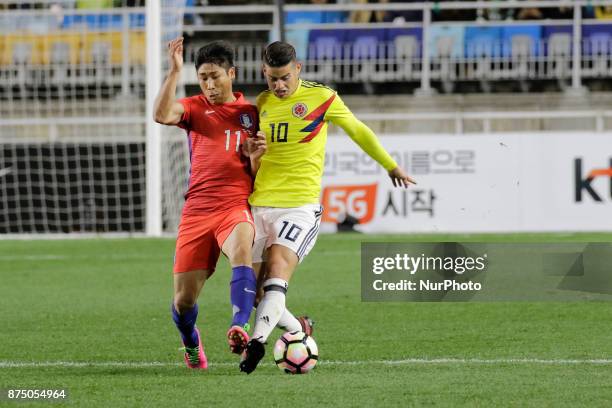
pixel 288 322
pixel 270 309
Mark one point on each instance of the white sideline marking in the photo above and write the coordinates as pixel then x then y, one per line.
pixel 410 361
pixel 32 257
pixel 116 257
pixel 50 257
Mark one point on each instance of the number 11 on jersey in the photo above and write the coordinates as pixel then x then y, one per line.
pixel 228 136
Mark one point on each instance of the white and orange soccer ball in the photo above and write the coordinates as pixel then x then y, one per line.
pixel 296 352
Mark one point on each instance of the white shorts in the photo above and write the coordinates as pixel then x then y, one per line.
pixel 296 228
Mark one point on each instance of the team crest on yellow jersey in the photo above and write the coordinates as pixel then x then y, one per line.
pixel 299 110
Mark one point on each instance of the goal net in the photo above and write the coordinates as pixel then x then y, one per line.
pixel 72 118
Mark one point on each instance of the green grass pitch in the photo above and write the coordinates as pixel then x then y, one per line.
pixel 92 316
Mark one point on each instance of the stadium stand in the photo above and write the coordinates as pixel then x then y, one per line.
pixel 76 71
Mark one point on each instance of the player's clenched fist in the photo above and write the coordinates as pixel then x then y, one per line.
pixel 259 144
pixel 175 54
pixel 256 146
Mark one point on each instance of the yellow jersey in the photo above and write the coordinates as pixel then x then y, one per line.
pixel 296 133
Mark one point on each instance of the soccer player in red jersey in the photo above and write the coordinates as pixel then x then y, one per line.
pixel 216 217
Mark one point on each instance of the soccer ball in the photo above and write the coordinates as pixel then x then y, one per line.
pixel 296 353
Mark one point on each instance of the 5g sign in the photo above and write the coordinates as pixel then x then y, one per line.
pixel 358 201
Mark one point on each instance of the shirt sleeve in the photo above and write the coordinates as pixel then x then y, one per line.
pixel 185 122
pixel 361 134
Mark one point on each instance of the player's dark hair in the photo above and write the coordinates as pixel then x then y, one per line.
pixel 220 53
pixel 279 54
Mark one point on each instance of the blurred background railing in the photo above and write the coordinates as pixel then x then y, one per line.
pixel 453 46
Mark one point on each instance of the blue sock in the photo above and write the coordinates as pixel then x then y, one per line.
pixel 243 288
pixel 185 323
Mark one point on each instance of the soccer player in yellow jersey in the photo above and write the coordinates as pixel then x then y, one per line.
pixel 294 114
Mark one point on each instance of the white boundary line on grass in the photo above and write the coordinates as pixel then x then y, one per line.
pixel 410 361
pixel 55 257
pixel 116 257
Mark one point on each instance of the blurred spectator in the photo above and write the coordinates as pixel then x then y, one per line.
pixel 94 4
pixel 19 6
pixel 559 13
pixel 368 16
pixel 453 15
pixel 603 12
pixel 400 16
pixel 528 13
pixel 494 14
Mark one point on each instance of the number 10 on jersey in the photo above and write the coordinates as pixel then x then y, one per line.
pixel 281 131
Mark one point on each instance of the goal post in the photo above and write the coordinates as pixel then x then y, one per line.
pixel 153 136
pixel 79 151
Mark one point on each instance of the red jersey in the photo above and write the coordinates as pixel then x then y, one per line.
pixel 220 176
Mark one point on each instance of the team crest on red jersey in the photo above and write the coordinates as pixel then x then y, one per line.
pixel 246 120
pixel 299 110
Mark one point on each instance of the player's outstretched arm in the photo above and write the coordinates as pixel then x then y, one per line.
pixel 369 143
pixel 167 110
pixel 254 148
